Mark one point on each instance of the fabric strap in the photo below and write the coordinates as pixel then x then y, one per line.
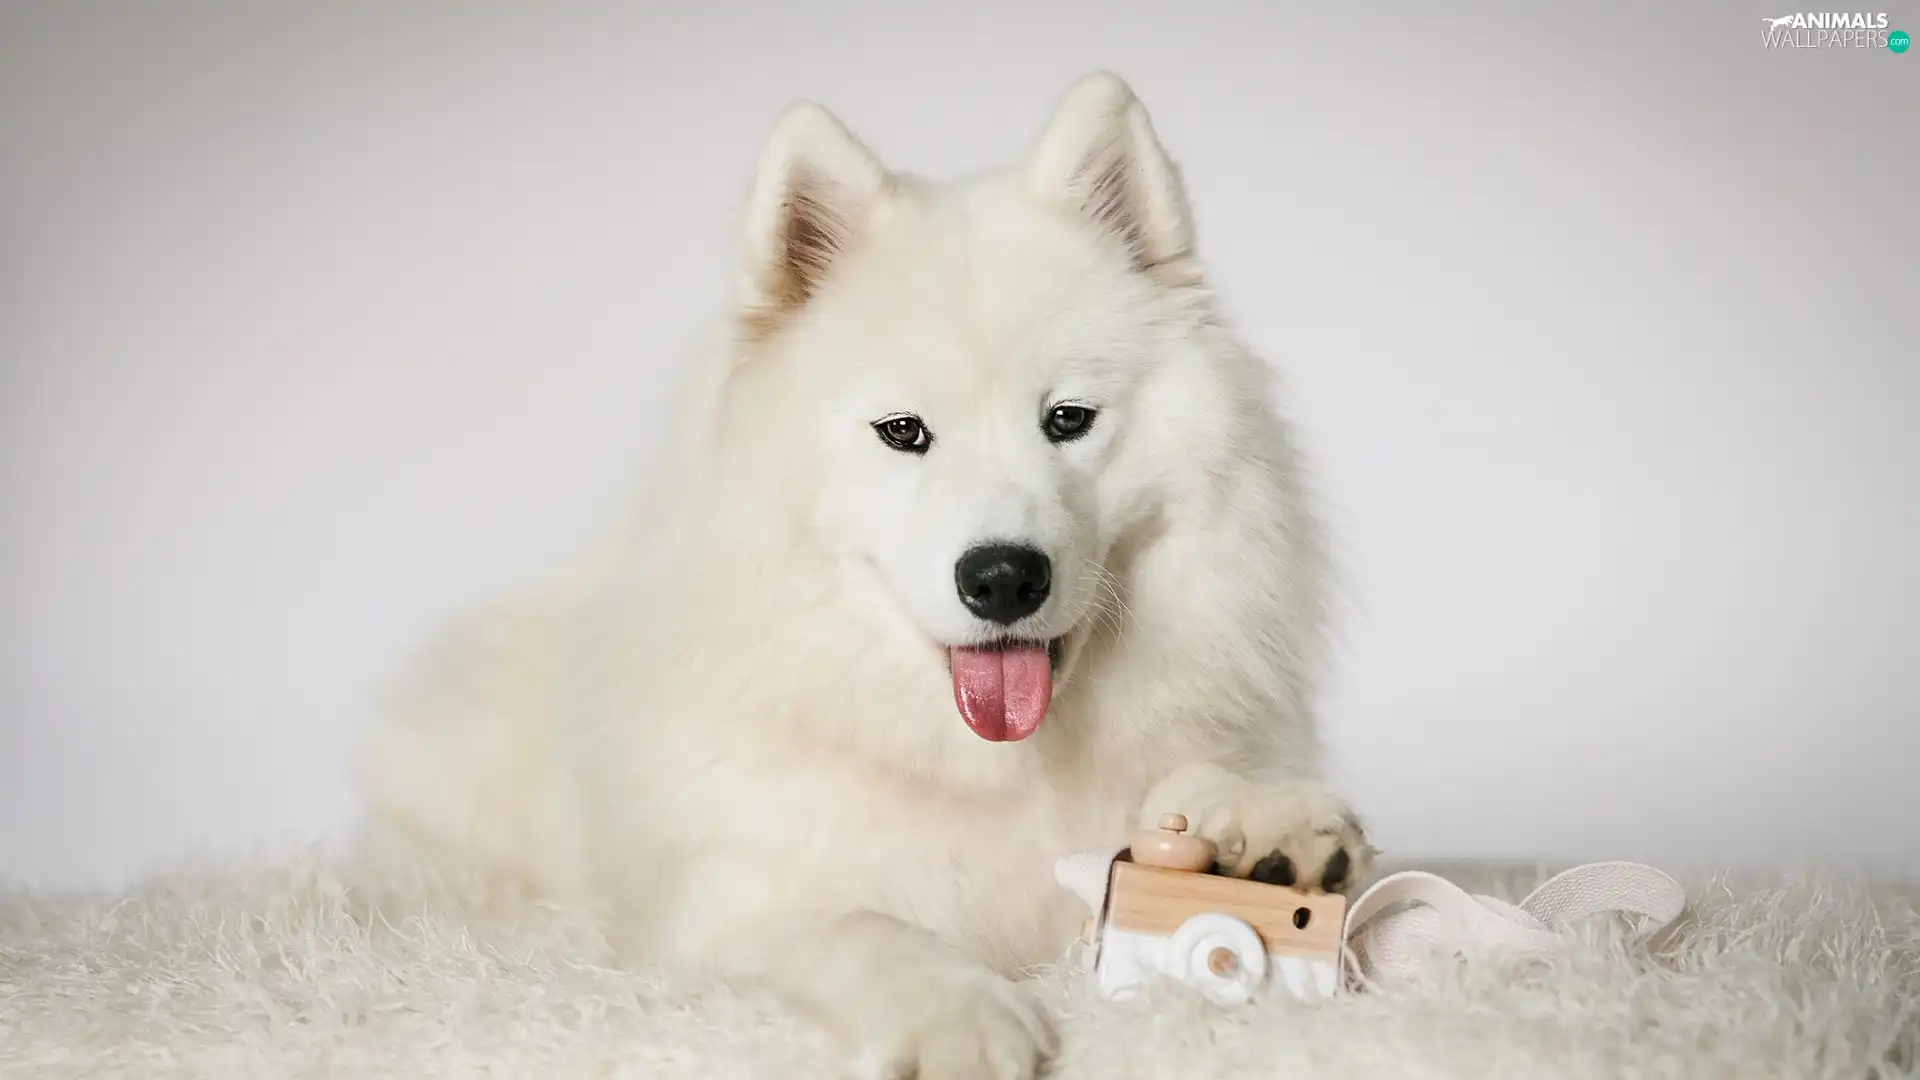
pixel 1396 925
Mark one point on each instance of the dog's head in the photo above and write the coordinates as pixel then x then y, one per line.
pixel 978 390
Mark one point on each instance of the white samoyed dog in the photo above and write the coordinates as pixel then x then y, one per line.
pixel 978 542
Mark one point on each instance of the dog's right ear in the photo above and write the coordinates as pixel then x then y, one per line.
pixel 816 188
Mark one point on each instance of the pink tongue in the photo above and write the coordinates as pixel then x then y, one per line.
pixel 1002 693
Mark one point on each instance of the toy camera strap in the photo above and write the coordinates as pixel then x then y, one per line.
pixel 1403 920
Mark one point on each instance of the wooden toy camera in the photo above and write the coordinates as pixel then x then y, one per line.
pixel 1157 912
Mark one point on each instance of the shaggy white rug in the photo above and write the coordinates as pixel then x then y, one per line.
pixel 283 970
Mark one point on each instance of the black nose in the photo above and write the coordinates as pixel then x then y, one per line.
pixel 1003 583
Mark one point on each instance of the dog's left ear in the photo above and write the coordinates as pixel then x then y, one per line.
pixel 1099 155
pixel 816 189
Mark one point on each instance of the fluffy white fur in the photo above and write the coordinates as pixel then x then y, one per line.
pixel 279 971
pixel 732 731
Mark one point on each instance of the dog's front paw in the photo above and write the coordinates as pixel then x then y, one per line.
pixel 962 1025
pixel 1296 834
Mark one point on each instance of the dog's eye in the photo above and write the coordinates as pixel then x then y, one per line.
pixel 1066 423
pixel 904 432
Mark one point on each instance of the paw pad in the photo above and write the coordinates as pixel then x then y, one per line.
pixel 1334 877
pixel 1275 869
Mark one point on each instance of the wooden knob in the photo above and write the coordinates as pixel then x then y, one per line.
pixel 1222 962
pixel 1170 848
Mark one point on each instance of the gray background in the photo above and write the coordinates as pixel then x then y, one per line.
pixel 318 319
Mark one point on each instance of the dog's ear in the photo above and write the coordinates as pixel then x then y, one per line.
pixel 1100 156
pixel 816 187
